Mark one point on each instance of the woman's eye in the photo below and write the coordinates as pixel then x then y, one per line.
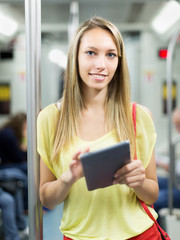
pixel 91 53
pixel 111 55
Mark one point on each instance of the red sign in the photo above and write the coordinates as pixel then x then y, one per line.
pixel 163 53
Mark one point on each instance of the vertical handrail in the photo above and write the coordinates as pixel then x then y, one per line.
pixel 176 142
pixel 73 19
pixel 169 111
pixel 33 53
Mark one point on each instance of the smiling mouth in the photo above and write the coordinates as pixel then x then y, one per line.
pixel 99 76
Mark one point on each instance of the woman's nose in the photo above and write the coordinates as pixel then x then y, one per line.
pixel 100 63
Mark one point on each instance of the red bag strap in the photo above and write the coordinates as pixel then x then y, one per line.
pixel 134 116
pixel 134 123
pixel 164 234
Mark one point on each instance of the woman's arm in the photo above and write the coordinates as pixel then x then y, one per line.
pixel 143 181
pixel 54 191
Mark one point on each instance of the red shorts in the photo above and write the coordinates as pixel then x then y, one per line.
pixel 151 233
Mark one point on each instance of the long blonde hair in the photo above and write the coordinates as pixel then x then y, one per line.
pixel 118 111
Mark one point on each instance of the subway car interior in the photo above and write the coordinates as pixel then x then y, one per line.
pixel 152 44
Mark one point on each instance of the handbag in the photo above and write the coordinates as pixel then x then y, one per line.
pixel 164 235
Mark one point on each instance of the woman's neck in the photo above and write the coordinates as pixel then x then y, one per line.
pixel 95 99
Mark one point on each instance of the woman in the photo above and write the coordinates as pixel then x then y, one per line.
pixel 95 112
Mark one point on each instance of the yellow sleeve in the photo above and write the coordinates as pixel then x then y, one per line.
pixel 145 135
pixel 45 134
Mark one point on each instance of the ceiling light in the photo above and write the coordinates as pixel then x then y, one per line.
pixel 167 17
pixel 58 57
pixel 7 26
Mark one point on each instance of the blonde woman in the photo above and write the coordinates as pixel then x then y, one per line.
pixel 95 112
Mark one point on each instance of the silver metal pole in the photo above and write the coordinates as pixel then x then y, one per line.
pixel 33 51
pixel 169 108
pixel 73 19
pixel 175 143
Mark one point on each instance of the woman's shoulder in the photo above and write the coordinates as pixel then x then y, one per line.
pixel 49 110
pixel 143 111
pixel 47 119
pixel 48 114
pixel 144 118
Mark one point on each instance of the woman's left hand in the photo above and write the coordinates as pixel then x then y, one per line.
pixel 132 174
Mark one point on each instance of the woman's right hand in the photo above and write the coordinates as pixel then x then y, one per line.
pixel 75 171
pixel 54 191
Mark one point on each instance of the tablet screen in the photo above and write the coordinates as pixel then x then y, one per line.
pixel 100 166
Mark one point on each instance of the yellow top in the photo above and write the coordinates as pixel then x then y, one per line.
pixel 110 213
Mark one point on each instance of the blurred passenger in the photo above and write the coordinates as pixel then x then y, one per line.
pixel 162 201
pixel 14 222
pixel 13 151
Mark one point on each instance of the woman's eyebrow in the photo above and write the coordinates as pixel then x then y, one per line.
pixel 90 47
pixel 112 50
pixel 94 48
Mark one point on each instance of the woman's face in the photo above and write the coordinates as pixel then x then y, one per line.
pixel 97 58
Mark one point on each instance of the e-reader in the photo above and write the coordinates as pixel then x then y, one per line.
pixel 100 166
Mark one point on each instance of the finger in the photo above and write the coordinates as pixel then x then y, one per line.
pixel 122 179
pixel 72 163
pixel 76 155
pixel 86 150
pixel 133 176
pixel 129 167
pixel 123 170
pixel 130 181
